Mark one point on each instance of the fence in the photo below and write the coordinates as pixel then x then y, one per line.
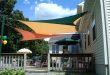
pixel 71 62
pixel 12 61
pixel 56 62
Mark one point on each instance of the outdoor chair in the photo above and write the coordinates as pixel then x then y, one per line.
pixel 37 64
pixel 44 64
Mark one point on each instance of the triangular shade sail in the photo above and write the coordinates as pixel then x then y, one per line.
pixel 76 22
pixel 26 35
pixel 66 20
pixel 48 28
pixel 54 26
pixel 67 41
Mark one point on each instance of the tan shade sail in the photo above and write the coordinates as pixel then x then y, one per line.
pixel 76 22
pixel 48 28
pixel 26 35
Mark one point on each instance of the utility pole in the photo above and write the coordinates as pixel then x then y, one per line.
pixel 2 31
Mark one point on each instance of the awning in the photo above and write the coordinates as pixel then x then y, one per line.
pixel 66 20
pixel 48 28
pixel 26 35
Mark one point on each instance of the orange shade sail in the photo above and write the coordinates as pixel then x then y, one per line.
pixel 48 28
pixel 26 35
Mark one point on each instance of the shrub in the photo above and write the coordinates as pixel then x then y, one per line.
pixel 12 72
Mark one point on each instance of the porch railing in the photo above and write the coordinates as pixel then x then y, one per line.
pixel 71 62
pixel 12 61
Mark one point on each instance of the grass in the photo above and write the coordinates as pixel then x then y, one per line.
pixel 12 72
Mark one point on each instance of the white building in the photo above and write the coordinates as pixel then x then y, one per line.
pixel 96 38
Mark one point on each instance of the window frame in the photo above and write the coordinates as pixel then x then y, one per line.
pixel 93 29
pixel 89 39
pixel 54 48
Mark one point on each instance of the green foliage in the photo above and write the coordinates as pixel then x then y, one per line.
pixel 17 14
pixel 12 72
pixel 14 43
pixel 41 47
pixel 6 6
pixel 37 46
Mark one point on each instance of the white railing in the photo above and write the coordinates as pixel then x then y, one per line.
pixel 72 62
pixel 12 61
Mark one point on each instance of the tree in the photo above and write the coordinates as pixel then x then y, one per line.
pixel 6 6
pixel 40 47
pixel 14 43
pixel 17 14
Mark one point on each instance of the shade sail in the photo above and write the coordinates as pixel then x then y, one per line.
pixel 76 22
pixel 48 28
pixel 54 26
pixel 26 35
pixel 67 41
pixel 66 20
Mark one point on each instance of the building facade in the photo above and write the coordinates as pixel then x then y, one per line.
pixel 95 33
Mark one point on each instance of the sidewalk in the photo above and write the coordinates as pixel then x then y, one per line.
pixel 35 69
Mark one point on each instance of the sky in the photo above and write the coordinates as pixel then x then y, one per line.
pixel 47 9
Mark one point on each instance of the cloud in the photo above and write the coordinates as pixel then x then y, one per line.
pixel 44 11
pixel 26 2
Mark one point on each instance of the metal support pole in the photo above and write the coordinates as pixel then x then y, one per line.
pixel 48 61
pixel 25 60
pixel 2 30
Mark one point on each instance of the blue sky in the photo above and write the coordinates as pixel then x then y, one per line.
pixel 47 9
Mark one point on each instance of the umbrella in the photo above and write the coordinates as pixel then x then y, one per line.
pixel 67 41
pixel 24 50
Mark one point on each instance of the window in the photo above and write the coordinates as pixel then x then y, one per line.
pixel 55 48
pixel 75 48
pixel 94 30
pixel 85 41
pixel 88 39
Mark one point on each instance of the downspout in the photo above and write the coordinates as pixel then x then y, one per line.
pixel 106 55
